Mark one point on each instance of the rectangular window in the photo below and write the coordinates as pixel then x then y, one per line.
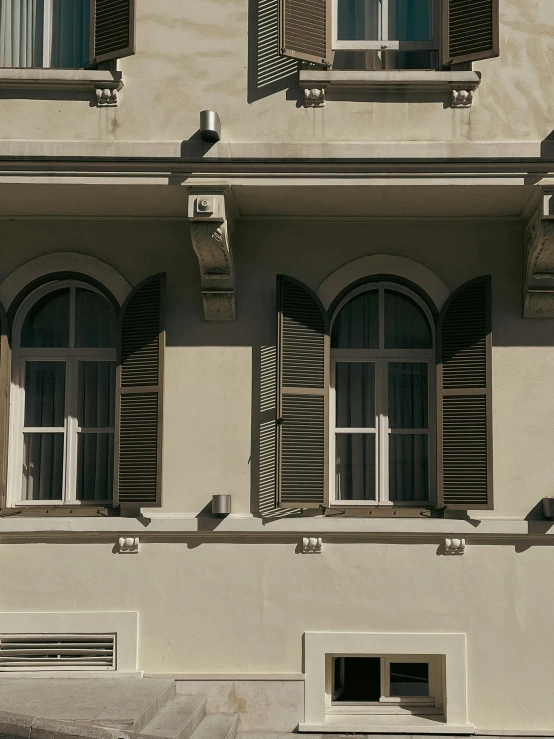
pixel 394 34
pixel 385 684
pixel 44 33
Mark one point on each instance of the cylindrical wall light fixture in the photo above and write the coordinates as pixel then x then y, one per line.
pixel 210 126
pixel 221 505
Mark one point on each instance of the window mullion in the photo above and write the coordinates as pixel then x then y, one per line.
pixel 47 34
pixel 384 430
pixel 70 483
pixel 385 19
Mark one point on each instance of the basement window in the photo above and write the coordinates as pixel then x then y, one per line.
pixel 384 684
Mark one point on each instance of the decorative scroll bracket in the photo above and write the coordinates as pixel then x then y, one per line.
pixel 462 97
pixel 454 546
pixel 312 545
pixel 128 545
pixel 211 219
pixel 314 97
pixel 539 260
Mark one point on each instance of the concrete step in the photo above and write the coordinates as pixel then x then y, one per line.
pixel 178 719
pixel 217 726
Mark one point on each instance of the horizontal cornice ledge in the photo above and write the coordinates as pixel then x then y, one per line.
pixel 104 84
pixel 250 527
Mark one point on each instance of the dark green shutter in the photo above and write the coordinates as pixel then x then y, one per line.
pixel 303 392
pixel 139 396
pixel 5 381
pixel 464 402
pixel 470 30
pixel 305 30
pixel 112 29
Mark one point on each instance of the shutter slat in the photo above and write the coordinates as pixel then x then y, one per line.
pixel 112 29
pixel 139 397
pixel 470 30
pixel 464 420
pixel 305 30
pixel 302 445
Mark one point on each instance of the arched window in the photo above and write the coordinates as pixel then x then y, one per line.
pixel 63 396
pixel 382 383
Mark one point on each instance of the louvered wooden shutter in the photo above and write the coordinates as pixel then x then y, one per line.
pixel 138 442
pixel 305 30
pixel 303 408
pixel 470 31
pixel 112 29
pixel 464 379
pixel 5 379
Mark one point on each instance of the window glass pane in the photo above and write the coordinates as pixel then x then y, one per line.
pixel 410 20
pixel 355 466
pixel 355 393
pixel 47 323
pixel 42 466
pixel 408 467
pixel 96 395
pixel 359 20
pixel 95 466
pixel 94 322
pixel 406 326
pixel 357 324
pixel 70 33
pixel 408 395
pixel 359 681
pixel 409 679
pixel 21 33
pixel 44 394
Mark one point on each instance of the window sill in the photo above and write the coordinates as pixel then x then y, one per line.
pixel 460 86
pixel 103 84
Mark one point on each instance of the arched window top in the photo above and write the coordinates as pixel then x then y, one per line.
pixel 71 315
pixel 382 316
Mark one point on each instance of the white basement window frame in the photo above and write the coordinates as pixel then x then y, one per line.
pixel 387 704
pixel 386 13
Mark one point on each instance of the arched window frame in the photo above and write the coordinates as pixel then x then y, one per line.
pixel 381 357
pixel 72 355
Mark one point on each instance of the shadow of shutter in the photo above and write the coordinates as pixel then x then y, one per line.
pixel 305 30
pixel 112 29
pixel 303 397
pixel 464 401
pixel 5 380
pixel 139 396
pixel 470 31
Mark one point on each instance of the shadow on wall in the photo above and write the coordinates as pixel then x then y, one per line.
pixel 268 71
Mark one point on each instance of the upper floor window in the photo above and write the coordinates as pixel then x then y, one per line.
pixel 392 33
pixel 382 383
pixel 44 33
pixel 64 396
pixel 389 29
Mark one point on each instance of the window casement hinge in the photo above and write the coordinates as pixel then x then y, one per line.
pixel 279 422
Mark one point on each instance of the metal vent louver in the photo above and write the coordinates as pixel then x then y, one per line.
pixel 33 652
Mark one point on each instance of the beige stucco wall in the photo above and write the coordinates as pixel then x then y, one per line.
pixel 195 55
pixel 242 607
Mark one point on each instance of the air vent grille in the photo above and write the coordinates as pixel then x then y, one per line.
pixel 57 652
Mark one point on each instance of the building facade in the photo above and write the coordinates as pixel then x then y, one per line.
pixel 338 311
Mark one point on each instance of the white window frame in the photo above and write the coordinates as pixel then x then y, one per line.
pixel 384 43
pixel 387 704
pixel 71 430
pixel 381 357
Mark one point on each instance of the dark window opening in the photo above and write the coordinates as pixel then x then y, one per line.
pixel 409 679
pixel 357 679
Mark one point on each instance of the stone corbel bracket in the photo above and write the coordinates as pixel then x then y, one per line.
pixel 314 97
pixel 211 216
pixel 312 545
pixel 462 97
pixel 454 546
pixel 539 260
pixel 107 93
pixel 128 545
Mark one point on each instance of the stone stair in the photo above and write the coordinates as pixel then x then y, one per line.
pixel 184 717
